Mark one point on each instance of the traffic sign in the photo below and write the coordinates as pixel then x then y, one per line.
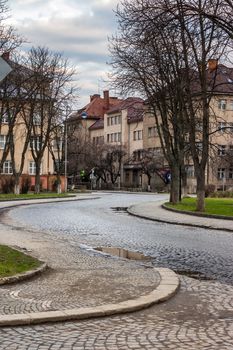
pixel 5 69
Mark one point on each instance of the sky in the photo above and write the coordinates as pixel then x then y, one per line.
pixel 77 28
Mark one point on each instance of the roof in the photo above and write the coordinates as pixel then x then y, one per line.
pixel 99 124
pixel 96 108
pixel 222 79
pixel 134 107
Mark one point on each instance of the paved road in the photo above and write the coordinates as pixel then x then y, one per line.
pixel 95 223
pixel 200 316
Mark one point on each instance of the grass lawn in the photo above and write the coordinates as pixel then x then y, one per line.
pixel 217 206
pixel 12 196
pixel 13 262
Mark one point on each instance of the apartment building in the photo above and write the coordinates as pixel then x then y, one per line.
pixel 123 127
pixel 130 125
pixel 14 130
pixel 48 172
pixel 85 129
pixel 219 170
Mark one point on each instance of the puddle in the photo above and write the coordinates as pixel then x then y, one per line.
pixel 123 253
pixel 120 209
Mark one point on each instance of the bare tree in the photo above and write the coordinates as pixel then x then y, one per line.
pixel 163 50
pixel 51 84
pixel 107 161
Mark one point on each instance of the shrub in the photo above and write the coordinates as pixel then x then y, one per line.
pixel 222 194
pixel 7 184
pixel 209 190
pixel 26 184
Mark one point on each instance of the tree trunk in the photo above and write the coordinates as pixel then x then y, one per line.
pixel 200 205
pixel 59 188
pixel 16 185
pixel 149 181
pixel 58 184
pixel 175 185
pixel 184 182
pixel 37 183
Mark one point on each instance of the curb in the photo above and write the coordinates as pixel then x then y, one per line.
pixel 168 286
pixel 50 201
pixel 172 222
pixel 23 276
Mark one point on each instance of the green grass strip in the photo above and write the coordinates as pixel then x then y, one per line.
pixel 13 262
pixel 11 196
pixel 216 206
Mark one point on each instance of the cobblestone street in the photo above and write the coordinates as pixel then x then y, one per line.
pixel 199 316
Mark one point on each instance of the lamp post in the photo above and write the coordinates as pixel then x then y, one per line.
pixel 65 156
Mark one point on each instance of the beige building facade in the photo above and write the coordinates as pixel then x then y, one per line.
pixel 48 173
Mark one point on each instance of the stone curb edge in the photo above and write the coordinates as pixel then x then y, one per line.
pixel 168 286
pixel 50 201
pixel 172 222
pixel 23 276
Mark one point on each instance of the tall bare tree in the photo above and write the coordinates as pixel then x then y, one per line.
pixel 52 88
pixel 162 50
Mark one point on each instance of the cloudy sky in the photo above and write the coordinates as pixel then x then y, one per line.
pixel 77 28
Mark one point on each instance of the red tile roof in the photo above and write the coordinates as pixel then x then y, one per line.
pixel 99 124
pixel 96 108
pixel 134 106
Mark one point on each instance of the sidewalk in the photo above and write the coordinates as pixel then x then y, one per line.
pixel 155 211
pixel 79 283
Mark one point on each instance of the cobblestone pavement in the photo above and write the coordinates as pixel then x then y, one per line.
pixel 200 316
pixel 184 249
pixel 75 278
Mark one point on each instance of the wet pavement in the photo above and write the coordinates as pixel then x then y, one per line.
pixel 193 251
pixel 199 317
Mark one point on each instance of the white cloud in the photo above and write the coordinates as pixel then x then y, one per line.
pixel 78 28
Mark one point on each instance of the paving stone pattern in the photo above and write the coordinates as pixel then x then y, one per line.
pixel 200 316
pixel 80 280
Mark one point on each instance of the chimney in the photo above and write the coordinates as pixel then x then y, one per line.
pixel 212 64
pixel 6 55
pixel 93 97
pixel 106 99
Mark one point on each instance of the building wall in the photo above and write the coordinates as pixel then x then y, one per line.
pixel 19 139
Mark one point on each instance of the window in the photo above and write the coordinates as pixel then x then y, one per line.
pixel 138 155
pixel 2 141
pixel 36 118
pixel 4 118
pixel 152 131
pixel 137 135
pixel 7 167
pixel 222 126
pixel 57 144
pixel 114 137
pixel 221 173
pixel 231 105
pixel 114 120
pixel 221 150
pixel 32 168
pixel 189 170
pixel 222 104
pixel 35 143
